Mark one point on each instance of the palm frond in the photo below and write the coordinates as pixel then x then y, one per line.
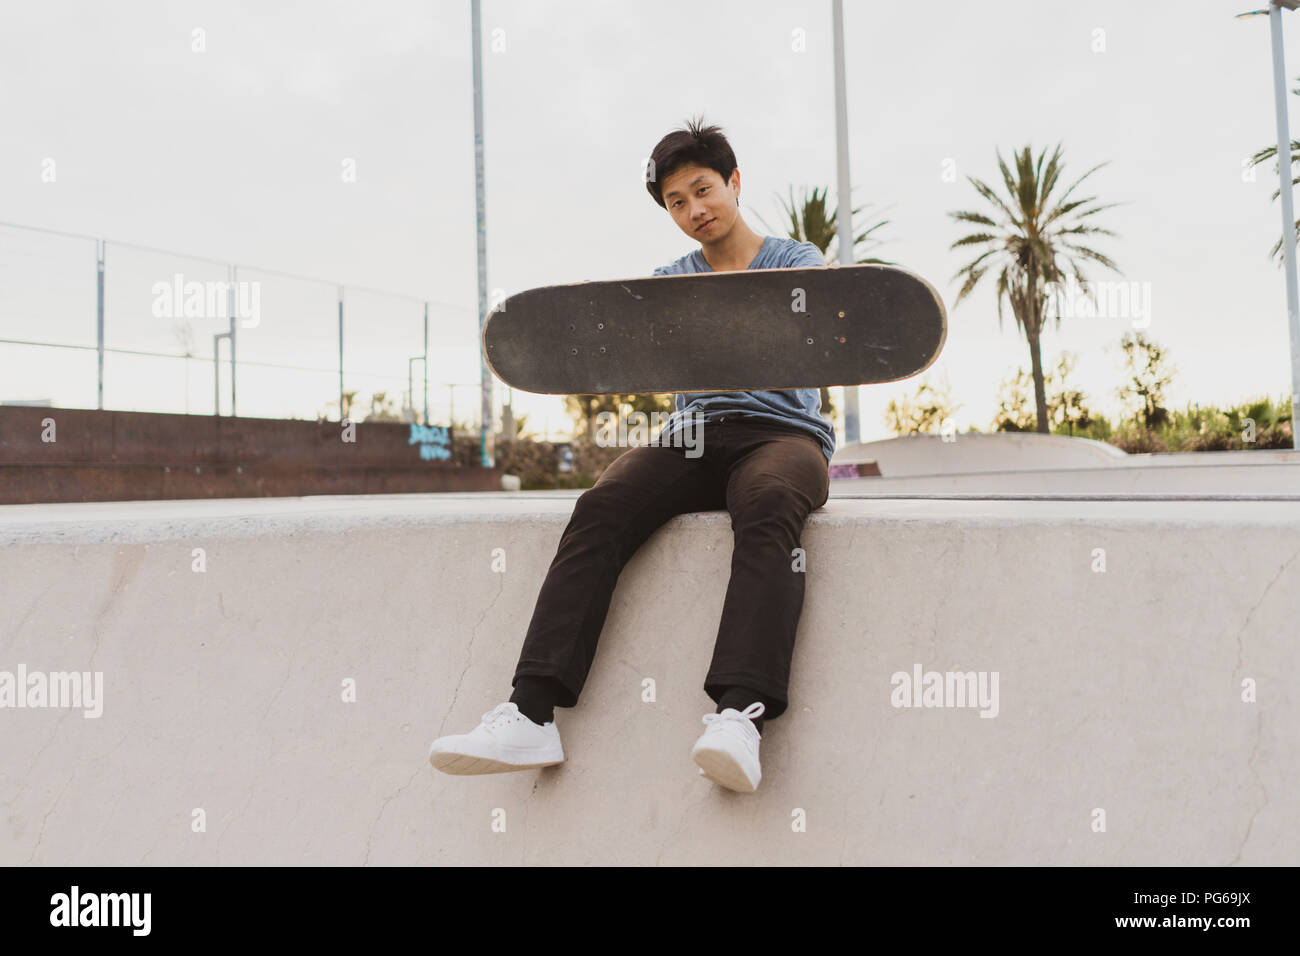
pixel 977 237
pixel 1268 152
pixel 971 280
pixel 1081 179
pixel 1049 181
pixel 978 219
pixel 993 197
pixel 1084 230
pixel 1097 256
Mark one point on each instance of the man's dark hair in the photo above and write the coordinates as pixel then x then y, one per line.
pixel 695 145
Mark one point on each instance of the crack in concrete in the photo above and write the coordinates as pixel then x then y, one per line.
pixel 270 756
pixel 523 844
pixel 288 667
pixel 1250 762
pixel 45 819
pixel 942 602
pixel 681 820
pixel 370 837
pixel 17 626
pixel 98 637
pixel 123 574
pixel 469 657
pixel 252 789
pixel 1280 571
pixel 40 753
pixel 856 788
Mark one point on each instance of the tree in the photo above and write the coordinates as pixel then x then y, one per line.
pixel 349 400
pixel 923 413
pixel 1270 152
pixel 1014 413
pixel 585 408
pixel 813 220
pixel 382 409
pixel 1065 405
pixel 1149 376
pixel 520 423
pixel 1027 242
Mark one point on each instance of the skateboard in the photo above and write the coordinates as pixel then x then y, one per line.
pixel 748 330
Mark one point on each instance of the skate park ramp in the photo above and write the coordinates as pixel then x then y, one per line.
pixel 1030 463
pixel 1114 685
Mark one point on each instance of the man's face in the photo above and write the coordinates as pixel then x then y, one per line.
pixel 696 196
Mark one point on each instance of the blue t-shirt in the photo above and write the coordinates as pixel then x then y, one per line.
pixel 799 407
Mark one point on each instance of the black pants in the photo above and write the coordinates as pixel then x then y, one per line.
pixel 769 477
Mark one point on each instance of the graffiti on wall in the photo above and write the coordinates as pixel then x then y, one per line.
pixel 434 441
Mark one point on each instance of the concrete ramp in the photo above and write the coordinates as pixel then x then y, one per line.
pixel 976 452
pixel 976 682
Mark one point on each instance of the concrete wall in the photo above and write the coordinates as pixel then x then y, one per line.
pixel 1120 690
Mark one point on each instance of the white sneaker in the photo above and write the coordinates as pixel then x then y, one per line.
pixel 506 740
pixel 727 751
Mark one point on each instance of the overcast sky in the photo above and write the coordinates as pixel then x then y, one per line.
pixel 116 126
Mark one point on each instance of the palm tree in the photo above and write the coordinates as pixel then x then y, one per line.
pixel 1026 242
pixel 1270 152
pixel 812 220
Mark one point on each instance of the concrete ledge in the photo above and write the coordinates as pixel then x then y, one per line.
pixel 1119 690
pixel 1186 477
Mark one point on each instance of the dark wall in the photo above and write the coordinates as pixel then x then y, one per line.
pixel 122 456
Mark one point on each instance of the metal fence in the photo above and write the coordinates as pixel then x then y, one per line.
pixel 94 323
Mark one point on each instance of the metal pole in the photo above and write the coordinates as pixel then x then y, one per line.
pixel 341 412
pixel 216 371
pixel 101 247
pixel 845 213
pixel 485 376
pixel 1288 210
pixel 426 364
pixel 410 385
pixel 231 277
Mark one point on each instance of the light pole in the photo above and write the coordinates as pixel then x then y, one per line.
pixel 486 458
pixel 1274 13
pixel 845 215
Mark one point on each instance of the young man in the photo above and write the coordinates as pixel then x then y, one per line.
pixel 765 461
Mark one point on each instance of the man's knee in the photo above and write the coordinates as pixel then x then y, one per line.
pixel 773 505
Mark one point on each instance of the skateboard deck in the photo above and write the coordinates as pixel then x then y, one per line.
pixel 718 331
